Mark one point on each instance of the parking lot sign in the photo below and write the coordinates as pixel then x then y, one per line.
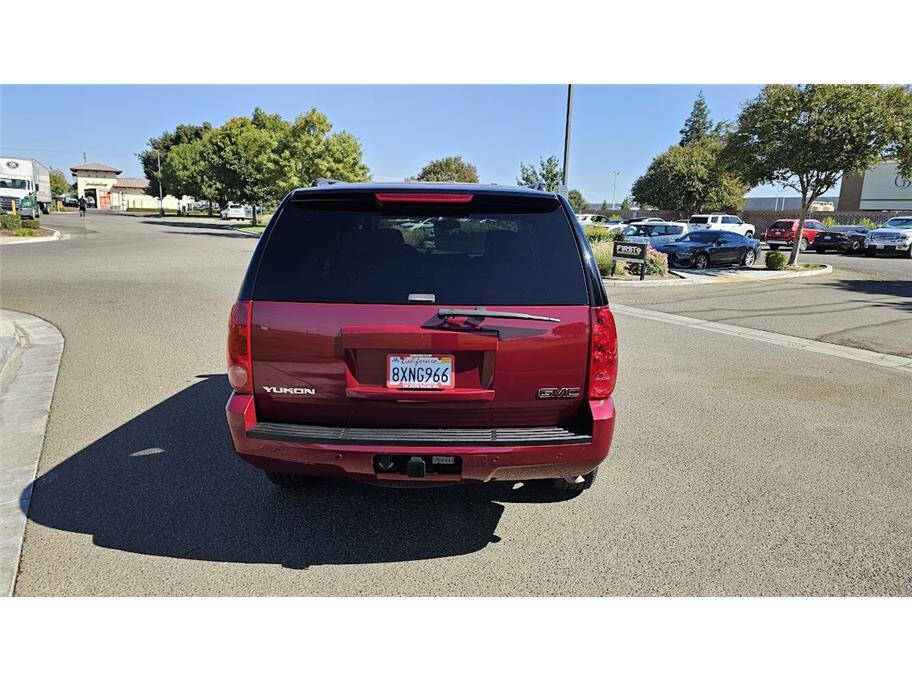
pixel 630 252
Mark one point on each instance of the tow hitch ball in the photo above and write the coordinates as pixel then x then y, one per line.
pixel 415 467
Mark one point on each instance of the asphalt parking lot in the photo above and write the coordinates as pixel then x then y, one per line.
pixel 738 467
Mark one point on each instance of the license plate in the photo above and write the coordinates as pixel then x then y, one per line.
pixel 880 246
pixel 827 238
pixel 440 459
pixel 419 371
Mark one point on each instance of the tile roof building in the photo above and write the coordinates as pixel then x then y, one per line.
pixel 100 182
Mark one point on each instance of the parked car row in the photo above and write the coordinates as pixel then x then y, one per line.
pixel 894 236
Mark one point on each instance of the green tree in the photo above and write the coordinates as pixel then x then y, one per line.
pixel 807 136
pixel 697 126
pixel 448 169
pixel 604 207
pixel 577 201
pixel 308 151
pixel 162 144
pixel 625 205
pixel 242 157
pixel 59 185
pixel 548 172
pixel 186 172
pixel 690 178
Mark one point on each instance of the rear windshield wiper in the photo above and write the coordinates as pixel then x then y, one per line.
pixel 476 315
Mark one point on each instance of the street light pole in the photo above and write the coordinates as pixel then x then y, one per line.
pixel 161 202
pixel 615 191
pixel 566 173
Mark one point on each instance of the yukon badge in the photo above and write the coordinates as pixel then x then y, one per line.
pixel 291 390
pixel 557 393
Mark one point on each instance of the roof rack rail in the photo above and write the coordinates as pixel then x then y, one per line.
pixel 540 186
pixel 323 182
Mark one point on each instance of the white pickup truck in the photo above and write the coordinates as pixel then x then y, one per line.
pixel 21 177
pixel 721 221
pixel 894 236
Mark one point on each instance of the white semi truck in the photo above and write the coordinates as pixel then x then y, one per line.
pixel 21 177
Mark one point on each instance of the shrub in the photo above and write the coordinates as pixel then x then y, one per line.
pixel 595 233
pixel 602 252
pixel 10 222
pixel 776 260
pixel 656 262
pixel 829 221
pixel 30 223
pixel 867 222
pixel 26 232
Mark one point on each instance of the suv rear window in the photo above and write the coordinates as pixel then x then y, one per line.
pixel 699 219
pixel 364 253
pixel 784 224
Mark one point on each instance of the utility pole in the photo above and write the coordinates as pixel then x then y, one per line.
pixel 161 202
pixel 83 158
pixel 566 172
pixel 615 191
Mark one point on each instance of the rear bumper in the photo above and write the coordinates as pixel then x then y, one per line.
pixel 321 451
pixel 780 242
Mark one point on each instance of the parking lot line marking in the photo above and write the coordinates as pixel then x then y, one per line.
pixel 847 352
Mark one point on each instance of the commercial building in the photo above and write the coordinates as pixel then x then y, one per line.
pixel 110 192
pixel 881 188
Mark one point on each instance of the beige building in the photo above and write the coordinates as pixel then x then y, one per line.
pixel 881 188
pixel 110 192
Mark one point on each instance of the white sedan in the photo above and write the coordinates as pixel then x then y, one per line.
pixel 234 212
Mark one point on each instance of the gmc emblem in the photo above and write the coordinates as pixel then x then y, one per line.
pixel 557 393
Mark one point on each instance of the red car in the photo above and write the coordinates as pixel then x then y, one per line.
pixel 785 232
pixel 422 333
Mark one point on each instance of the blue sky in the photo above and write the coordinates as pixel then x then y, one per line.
pixel 495 127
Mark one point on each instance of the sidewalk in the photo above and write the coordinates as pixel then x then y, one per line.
pixel 30 350
pixel 719 276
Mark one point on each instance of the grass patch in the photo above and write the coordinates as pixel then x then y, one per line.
pixel 258 229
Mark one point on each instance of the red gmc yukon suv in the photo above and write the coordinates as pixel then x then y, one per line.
pixel 422 333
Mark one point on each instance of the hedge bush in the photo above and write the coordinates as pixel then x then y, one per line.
pixel 867 222
pixel 30 224
pixel 596 233
pixel 776 260
pixel 10 222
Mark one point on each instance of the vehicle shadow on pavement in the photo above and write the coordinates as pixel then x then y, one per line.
pixel 901 289
pixel 230 235
pixel 198 224
pixel 169 483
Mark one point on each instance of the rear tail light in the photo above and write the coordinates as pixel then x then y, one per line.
pixel 603 360
pixel 240 374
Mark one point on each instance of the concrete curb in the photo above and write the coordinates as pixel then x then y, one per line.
pixel 32 240
pixel 28 380
pixel 241 230
pixel 713 278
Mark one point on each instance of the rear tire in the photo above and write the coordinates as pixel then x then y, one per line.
pixel 749 258
pixel 701 261
pixel 856 247
pixel 820 251
pixel 870 253
pixel 588 480
pixel 774 247
pixel 289 481
pixel 909 252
